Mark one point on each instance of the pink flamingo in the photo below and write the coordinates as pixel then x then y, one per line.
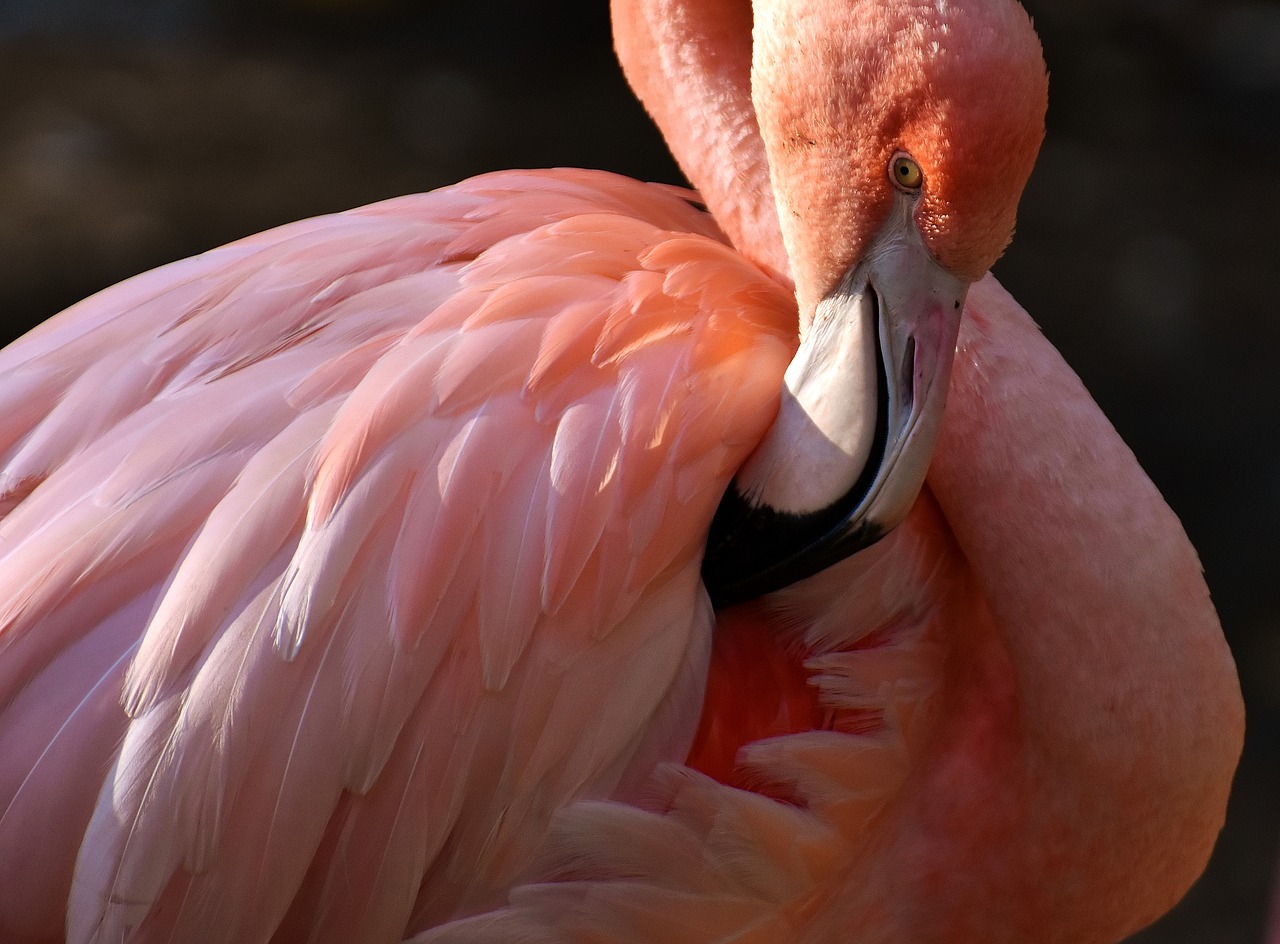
pixel 351 576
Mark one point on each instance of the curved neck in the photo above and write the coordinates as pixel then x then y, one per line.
pixel 684 58
pixel 1128 704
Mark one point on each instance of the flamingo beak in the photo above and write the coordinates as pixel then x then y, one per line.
pixel 861 405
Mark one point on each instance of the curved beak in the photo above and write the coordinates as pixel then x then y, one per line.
pixel 861 404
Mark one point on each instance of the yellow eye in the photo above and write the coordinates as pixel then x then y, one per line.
pixel 905 172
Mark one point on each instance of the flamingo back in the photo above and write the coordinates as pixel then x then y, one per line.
pixel 334 561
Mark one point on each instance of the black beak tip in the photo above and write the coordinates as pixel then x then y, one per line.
pixel 754 550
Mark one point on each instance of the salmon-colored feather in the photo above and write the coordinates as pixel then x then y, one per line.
pixel 280 654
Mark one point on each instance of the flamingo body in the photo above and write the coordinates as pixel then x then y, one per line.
pixel 352 580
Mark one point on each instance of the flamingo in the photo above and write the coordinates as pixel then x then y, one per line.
pixel 357 577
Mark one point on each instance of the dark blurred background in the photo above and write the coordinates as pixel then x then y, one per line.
pixel 134 132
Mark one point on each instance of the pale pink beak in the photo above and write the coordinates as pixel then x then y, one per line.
pixel 863 398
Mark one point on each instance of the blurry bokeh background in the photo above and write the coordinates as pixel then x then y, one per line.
pixel 134 132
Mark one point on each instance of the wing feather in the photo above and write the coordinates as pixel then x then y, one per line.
pixel 475 466
pixel 292 512
pixel 67 717
pixel 583 454
pixel 259 514
pixel 508 613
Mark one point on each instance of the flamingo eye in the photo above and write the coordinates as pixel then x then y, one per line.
pixel 905 172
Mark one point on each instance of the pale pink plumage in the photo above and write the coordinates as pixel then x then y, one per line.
pixel 349 574
pixel 270 525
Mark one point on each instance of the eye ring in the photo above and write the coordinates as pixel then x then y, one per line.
pixel 905 172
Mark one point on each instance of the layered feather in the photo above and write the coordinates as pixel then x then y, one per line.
pixel 359 548
pixel 701 860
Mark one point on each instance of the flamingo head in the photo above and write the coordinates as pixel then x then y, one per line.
pixel 899 138
pixel 932 107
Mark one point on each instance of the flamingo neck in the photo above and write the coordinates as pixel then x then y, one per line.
pixel 690 64
pixel 1128 705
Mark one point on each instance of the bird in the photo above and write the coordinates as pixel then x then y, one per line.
pixel 559 557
